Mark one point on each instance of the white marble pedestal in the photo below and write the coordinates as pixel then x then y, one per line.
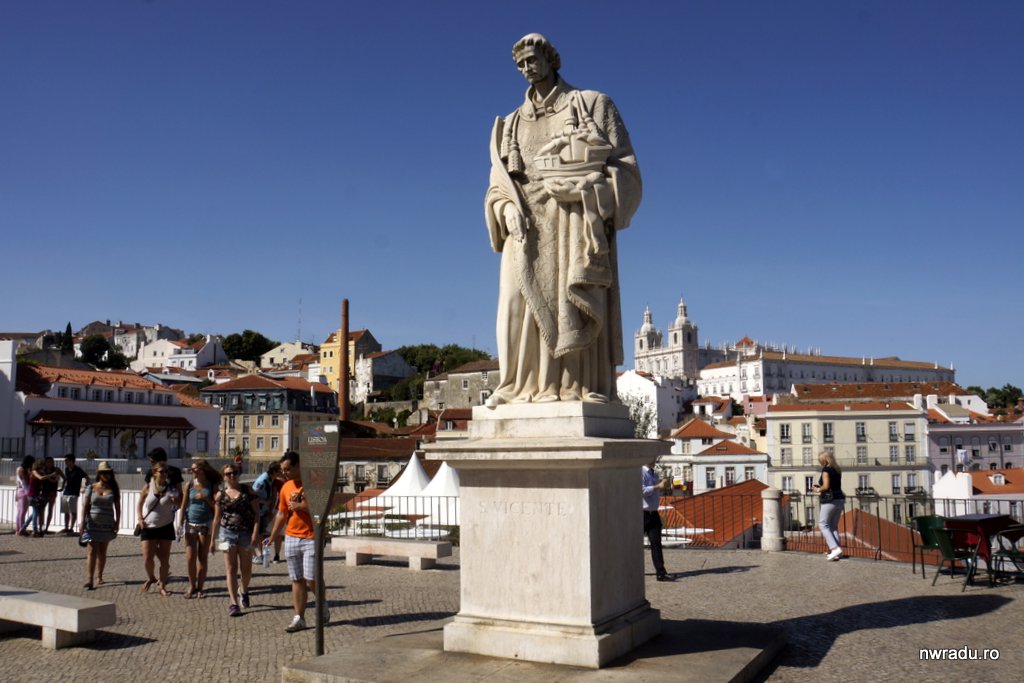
pixel 552 566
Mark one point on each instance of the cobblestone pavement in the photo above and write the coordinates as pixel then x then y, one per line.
pixel 850 620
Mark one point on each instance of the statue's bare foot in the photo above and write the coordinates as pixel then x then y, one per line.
pixel 571 396
pixel 546 398
pixel 594 397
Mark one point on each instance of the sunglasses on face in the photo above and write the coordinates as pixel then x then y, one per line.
pixel 230 473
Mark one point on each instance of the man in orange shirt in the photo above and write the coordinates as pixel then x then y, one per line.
pixel 299 544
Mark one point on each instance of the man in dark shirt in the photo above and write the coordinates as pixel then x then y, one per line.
pixel 74 478
pixel 174 477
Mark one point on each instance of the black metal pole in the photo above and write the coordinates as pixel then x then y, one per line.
pixel 318 535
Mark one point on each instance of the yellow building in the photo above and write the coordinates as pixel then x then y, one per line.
pixel 360 343
pixel 881 447
pixel 261 417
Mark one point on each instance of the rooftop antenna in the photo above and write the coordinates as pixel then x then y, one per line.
pixel 298 333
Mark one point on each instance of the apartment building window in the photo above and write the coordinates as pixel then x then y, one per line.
pixel 910 452
pixel 275 420
pixel 787 483
pixel 259 443
pixel 993 445
pixel 202 441
pixel 808 484
pixel 943 444
pixel 231 423
pixel 829 429
pixel 97 395
pixel 908 431
pixel 232 444
pixel 275 444
pixel 382 474
pixel 863 481
pixel 484 375
pixel 944 469
pixel 361 472
pixel 245 424
pixel 245 444
pixel 893 434
pixel 786 456
pixel 897 513
pixel 278 401
pixel 128 397
pixel 685 447
pixel 808 456
pixel 862 455
pixel 730 476
pixel 709 478
pixel 911 481
pixel 861 430
pixel 748 473
pixel 805 432
pixel 259 420
pixel 784 433
pixel 896 478
pixel 465 384
pixel 894 454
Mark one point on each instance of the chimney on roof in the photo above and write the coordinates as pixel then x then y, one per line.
pixel 917 401
pixel 931 400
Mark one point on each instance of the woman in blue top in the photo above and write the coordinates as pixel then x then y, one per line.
pixel 197 513
pixel 833 500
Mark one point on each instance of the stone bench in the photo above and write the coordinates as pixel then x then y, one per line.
pixel 361 549
pixel 66 619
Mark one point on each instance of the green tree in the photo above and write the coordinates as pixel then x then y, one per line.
pixel 94 349
pixel 429 358
pixel 127 443
pixel 195 338
pixel 643 415
pixel 248 345
pixel 385 415
pixel 67 342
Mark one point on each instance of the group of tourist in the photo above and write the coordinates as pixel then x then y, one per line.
pixel 212 511
pixel 37 483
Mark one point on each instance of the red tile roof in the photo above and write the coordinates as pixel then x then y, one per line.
pixel 889 362
pixel 854 406
pixel 868 390
pixel 485 365
pixel 699 429
pixel 34 377
pixel 728 448
pixel 983 484
pixel 261 382
pixel 728 513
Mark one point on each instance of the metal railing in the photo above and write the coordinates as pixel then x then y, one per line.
pixel 126 526
pixel 719 521
pixel 395 516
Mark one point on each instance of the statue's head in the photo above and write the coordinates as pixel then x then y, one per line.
pixel 534 44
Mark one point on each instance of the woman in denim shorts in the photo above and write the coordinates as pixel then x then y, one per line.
pixel 197 512
pixel 236 511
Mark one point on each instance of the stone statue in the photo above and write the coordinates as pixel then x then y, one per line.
pixel 564 180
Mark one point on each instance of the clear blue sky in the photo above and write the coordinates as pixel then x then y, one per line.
pixel 843 175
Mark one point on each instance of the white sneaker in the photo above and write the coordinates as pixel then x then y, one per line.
pixel 835 554
pixel 298 624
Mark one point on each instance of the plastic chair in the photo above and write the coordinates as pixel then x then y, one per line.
pixel 1010 548
pixel 952 554
pixel 924 525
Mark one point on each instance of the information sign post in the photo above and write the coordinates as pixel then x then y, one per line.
pixel 319 449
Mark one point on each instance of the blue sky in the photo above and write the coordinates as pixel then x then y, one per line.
pixel 839 175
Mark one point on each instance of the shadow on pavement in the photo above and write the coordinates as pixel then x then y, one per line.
pixel 811 637
pixel 714 570
pixel 389 619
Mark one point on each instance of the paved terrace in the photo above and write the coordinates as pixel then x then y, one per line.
pixel 850 620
